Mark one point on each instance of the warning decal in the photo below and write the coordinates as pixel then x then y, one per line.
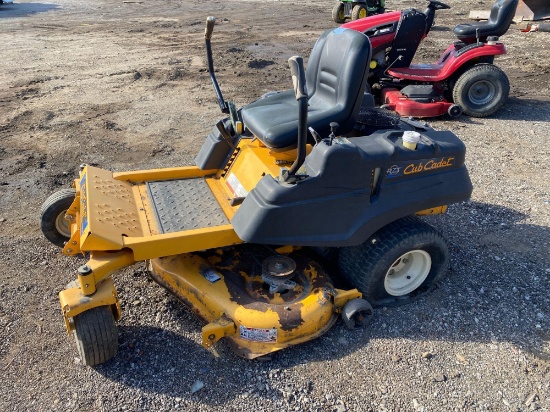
pixel 259 335
pixel 235 186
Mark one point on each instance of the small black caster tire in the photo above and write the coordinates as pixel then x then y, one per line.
pixel 53 224
pixel 96 335
pixel 454 110
pixel 357 313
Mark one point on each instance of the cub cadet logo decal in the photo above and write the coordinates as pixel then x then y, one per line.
pixel 83 205
pixel 431 164
pixel 419 166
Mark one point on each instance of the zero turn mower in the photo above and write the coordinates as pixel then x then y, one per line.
pixel 232 236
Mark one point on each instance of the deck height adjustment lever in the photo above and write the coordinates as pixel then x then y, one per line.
pixel 333 128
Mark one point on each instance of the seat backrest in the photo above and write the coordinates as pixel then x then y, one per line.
pixel 336 73
pixel 410 31
pixel 502 14
pixel 336 77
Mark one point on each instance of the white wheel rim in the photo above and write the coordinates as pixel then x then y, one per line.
pixel 407 273
pixel 62 225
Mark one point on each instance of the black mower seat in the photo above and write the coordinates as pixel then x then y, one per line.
pixel 336 77
pixel 499 21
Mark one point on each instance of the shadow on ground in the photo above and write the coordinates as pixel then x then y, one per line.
pixel 525 109
pixel 502 303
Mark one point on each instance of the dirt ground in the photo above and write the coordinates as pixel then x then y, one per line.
pixel 124 85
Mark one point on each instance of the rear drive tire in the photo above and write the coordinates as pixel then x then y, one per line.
pixel 359 12
pixel 397 264
pixel 338 15
pixel 96 335
pixel 481 90
pixel 53 224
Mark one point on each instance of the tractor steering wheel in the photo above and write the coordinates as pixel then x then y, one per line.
pixel 437 5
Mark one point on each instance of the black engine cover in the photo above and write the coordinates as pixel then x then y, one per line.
pixel 355 187
pixel 423 93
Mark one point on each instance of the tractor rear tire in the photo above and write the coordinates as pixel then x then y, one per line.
pixel 338 15
pixel 52 216
pixel 481 90
pixel 397 264
pixel 359 12
pixel 96 335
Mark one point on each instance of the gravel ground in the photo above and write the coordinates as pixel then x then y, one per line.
pixel 124 86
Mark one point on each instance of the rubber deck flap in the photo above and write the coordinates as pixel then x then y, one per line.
pixel 184 205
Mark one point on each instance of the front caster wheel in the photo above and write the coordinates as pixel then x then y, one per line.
pixel 96 335
pixel 357 313
pixel 454 110
pixel 53 224
pixel 398 263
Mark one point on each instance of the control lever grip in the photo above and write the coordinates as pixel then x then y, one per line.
pixel 298 73
pixel 210 22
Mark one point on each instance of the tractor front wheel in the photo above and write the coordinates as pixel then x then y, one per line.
pixel 481 90
pixel 52 216
pixel 400 262
pixel 96 335
pixel 338 15
pixel 359 12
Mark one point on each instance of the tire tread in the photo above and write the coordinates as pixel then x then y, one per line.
pixel 356 10
pixel 468 75
pixel 336 13
pixel 58 202
pixel 96 335
pixel 359 265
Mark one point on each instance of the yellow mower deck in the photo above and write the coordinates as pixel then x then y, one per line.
pixel 225 287
pixel 164 215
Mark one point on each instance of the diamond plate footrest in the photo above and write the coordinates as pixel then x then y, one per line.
pixel 184 205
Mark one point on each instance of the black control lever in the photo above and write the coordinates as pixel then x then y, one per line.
pixel 210 22
pixel 316 136
pixel 297 71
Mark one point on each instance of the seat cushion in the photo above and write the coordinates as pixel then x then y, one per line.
pixel 275 119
